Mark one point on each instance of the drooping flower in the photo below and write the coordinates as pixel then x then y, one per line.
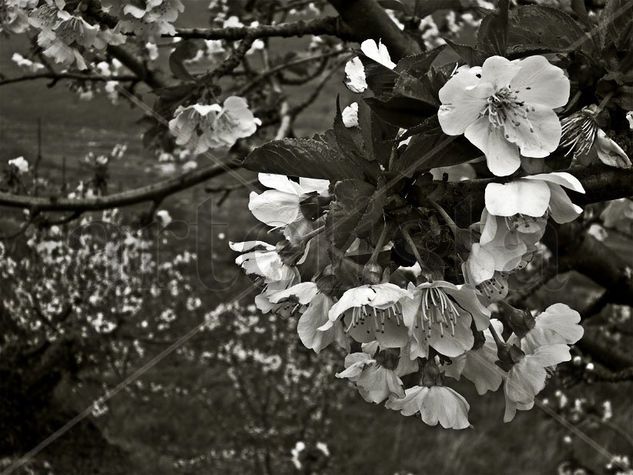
pixel 280 205
pixel 588 143
pixel 505 108
pixel 436 404
pixel 20 164
pixel 263 260
pixel 557 324
pixel 355 78
pixel 527 377
pixel 236 121
pixel 439 314
pixel 478 365
pixel 372 312
pixel 314 315
pixel 375 382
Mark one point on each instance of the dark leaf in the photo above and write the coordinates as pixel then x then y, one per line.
pixel 349 139
pixel 317 157
pixel 419 88
pixel 537 28
pixel 618 31
pixel 434 149
pixel 401 111
pixel 378 134
pixel 470 55
pixel 352 198
pixel 380 79
pixel 493 31
pixel 418 64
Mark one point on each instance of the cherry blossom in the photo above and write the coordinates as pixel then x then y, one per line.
pixel 375 382
pixel 439 314
pixel 372 312
pixel 314 315
pixel 557 324
pixel 20 164
pixel 527 376
pixel 505 108
pixel 436 404
pixel 281 205
pixel 350 115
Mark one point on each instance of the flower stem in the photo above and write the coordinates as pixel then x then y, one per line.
pixel 604 101
pixel 314 232
pixel 447 219
pixel 381 242
pixel 413 247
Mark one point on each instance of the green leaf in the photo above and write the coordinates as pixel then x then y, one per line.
pixel 433 149
pixel 317 157
pixel 418 64
pixel 493 31
pixel 418 88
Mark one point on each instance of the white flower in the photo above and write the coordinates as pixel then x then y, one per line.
pixel 375 382
pixel 164 218
pixel 25 63
pixel 355 78
pixel 262 259
pixel 479 365
pixel 435 404
pixel 609 152
pixel 557 324
pixel 527 377
pixel 20 164
pixel 317 305
pixel 534 196
pixel 202 126
pixel 372 312
pixel 461 172
pixel 350 115
pixel 280 206
pixel 505 108
pixel 629 117
pixel 438 315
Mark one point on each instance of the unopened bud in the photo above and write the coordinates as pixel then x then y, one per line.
pixel 519 321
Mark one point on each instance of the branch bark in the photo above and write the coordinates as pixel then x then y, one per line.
pixel 367 19
pixel 153 192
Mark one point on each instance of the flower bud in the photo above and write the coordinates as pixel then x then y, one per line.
pixel 519 321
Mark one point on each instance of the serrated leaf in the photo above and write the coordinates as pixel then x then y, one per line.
pixel 418 88
pixel 418 64
pixel 312 158
pixel 536 28
pixel 380 79
pixel 431 150
pixel 470 55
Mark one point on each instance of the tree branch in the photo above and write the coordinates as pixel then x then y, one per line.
pixel 367 19
pixel 72 76
pixel 320 26
pixel 153 192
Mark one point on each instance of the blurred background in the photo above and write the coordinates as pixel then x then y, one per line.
pixel 239 394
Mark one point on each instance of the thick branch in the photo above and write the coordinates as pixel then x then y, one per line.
pixel 367 19
pixel 320 26
pixel 603 352
pixel 153 192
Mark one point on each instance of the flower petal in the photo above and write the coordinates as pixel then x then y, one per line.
pixel 463 98
pixel 538 135
pixel 275 208
pixel 502 157
pixel 499 71
pixel 560 178
pixel 279 183
pixel 517 197
pixel 540 82
pixel 561 207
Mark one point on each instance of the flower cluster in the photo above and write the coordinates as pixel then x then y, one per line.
pixel 368 270
pixel 200 127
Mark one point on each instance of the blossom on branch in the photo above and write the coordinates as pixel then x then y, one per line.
pixel 505 108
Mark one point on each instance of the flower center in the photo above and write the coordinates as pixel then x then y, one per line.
pixel 503 106
pixel 436 309
pixel 523 224
pixel 359 316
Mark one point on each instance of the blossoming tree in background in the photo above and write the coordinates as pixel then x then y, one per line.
pixel 485 152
